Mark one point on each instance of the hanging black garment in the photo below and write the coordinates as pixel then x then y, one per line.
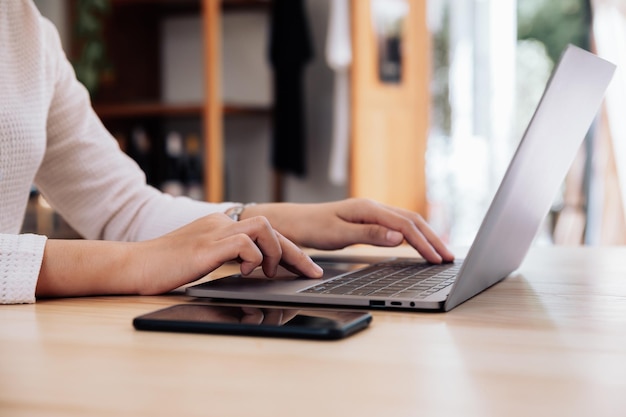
pixel 290 49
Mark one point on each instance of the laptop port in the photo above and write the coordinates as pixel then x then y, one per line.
pixel 396 303
pixel 377 303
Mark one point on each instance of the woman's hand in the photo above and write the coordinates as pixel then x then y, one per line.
pixel 80 267
pixel 339 224
pixel 205 244
pixel 263 237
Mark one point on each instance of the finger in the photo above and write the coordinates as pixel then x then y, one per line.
pixel 224 315
pixel 252 315
pixel 429 234
pixel 263 235
pixel 239 246
pixel 288 315
pixel 287 254
pixel 372 234
pixel 273 316
pixel 398 220
pixel 296 261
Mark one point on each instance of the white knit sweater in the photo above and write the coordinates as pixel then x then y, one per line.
pixel 51 137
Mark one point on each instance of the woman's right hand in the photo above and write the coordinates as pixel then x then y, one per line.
pixel 84 267
pixel 202 246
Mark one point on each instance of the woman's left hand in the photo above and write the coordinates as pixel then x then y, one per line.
pixel 336 225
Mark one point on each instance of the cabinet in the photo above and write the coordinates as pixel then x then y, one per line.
pixel 131 92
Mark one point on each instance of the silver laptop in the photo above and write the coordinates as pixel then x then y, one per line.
pixel 535 173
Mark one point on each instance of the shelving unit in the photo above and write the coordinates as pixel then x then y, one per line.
pixel 389 123
pixel 132 93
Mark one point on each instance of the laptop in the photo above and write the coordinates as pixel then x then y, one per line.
pixel 538 167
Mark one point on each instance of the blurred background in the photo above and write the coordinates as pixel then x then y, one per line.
pixel 415 103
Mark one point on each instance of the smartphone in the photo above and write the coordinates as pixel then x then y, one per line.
pixel 253 320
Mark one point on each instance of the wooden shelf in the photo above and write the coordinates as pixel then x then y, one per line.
pixel 195 4
pixel 155 109
pixel 129 110
pixel 245 4
pixel 246 110
pixel 133 32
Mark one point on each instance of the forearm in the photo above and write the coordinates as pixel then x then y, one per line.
pixel 84 267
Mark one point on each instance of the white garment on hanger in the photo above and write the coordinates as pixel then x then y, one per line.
pixel 339 58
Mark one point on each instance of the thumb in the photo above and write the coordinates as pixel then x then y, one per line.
pixel 374 234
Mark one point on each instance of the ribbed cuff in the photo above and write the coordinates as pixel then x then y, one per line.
pixel 20 263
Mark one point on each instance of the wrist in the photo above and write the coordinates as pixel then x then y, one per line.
pixel 236 212
pixel 286 218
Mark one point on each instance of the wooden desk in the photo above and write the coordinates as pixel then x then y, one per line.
pixel 548 341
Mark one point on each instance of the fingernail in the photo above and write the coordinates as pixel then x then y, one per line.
pixel 246 269
pixel 394 237
pixel 318 270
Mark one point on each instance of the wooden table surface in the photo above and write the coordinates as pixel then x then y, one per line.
pixel 550 340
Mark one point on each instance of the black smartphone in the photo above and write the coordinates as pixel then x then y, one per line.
pixel 252 320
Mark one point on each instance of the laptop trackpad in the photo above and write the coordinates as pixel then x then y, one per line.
pixel 283 282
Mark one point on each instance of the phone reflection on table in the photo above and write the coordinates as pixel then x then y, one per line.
pixel 226 314
pixel 254 320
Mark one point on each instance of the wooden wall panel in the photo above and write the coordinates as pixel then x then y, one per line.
pixel 390 121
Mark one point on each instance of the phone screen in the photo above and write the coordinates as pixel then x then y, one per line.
pixel 255 321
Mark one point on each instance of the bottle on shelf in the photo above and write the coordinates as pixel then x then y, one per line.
pixel 140 148
pixel 194 166
pixel 174 168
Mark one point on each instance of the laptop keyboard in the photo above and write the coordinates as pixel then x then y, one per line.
pixel 392 279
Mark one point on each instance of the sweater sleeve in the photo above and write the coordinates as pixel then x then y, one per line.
pixel 98 189
pixel 20 261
